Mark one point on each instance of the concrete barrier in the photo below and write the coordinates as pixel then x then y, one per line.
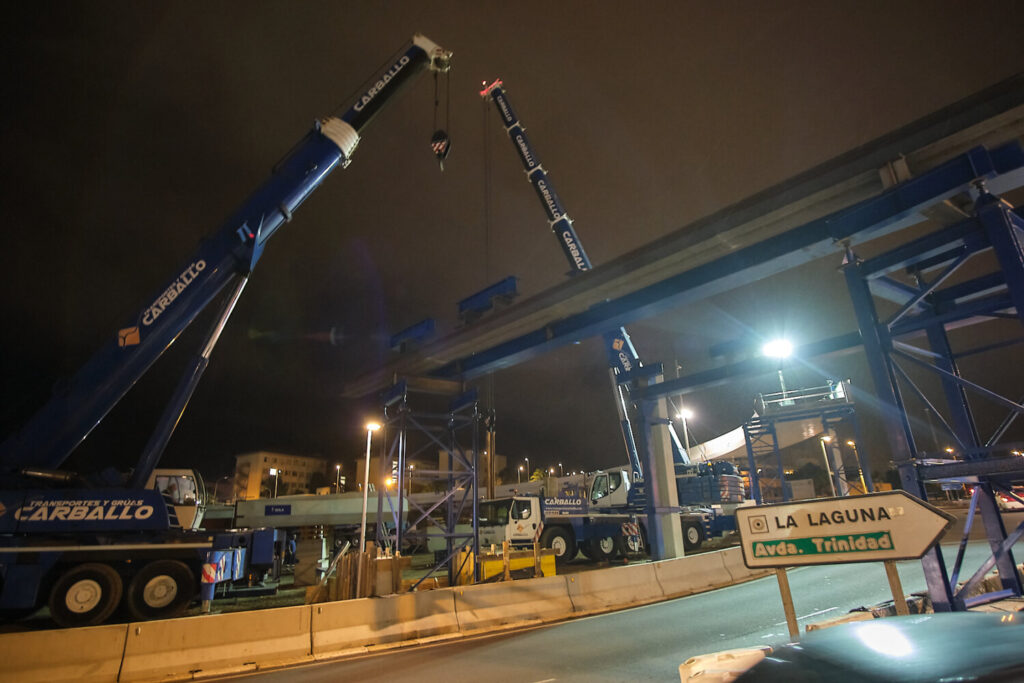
pixel 217 644
pixel 733 559
pixel 493 605
pixel 81 654
pixel 614 587
pixel 688 575
pixel 339 627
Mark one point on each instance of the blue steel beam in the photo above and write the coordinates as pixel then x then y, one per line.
pixel 888 212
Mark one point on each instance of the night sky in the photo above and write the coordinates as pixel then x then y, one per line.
pixel 131 130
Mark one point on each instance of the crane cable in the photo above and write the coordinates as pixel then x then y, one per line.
pixel 440 142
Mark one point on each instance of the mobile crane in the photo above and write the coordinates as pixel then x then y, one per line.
pixel 81 543
pixel 700 486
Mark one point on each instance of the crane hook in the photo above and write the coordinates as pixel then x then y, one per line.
pixel 441 144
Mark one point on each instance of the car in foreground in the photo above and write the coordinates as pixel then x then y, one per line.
pixel 963 646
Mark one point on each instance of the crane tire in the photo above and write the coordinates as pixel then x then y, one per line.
pixel 603 548
pixel 693 535
pixel 160 590
pixel 85 595
pixel 561 541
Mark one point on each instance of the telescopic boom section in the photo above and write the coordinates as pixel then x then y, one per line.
pixel 228 255
pixel 622 356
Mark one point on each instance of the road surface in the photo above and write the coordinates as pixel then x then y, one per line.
pixel 641 644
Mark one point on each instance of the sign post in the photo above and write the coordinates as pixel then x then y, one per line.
pixel 878 527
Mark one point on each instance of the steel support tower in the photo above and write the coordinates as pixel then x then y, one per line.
pixel 418 434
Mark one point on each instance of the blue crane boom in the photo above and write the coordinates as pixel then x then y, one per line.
pixel 623 360
pixel 80 546
pixel 227 257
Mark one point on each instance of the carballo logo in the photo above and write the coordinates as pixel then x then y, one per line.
pixel 385 78
pixel 84 511
pixel 173 292
pixel 525 151
pixel 624 359
pixel 549 199
pixel 574 250
pixel 563 501
pixel 506 112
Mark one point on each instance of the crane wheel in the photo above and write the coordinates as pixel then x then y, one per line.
pixel 561 541
pixel 693 535
pixel 85 595
pixel 603 549
pixel 160 590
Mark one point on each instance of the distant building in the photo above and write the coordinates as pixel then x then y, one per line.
pixel 295 474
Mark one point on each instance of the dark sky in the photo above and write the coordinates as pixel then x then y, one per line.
pixel 131 130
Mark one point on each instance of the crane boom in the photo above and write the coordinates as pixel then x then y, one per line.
pixel 226 257
pixel 623 359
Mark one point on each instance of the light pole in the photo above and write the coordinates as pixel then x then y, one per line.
pixel 828 468
pixel 519 475
pixel 561 472
pixel 529 472
pixel 781 349
pixel 371 427
pixel 275 473
pixel 860 466
pixel 412 466
pixel 337 480
pixel 684 415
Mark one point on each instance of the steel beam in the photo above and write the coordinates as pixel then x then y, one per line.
pixel 781 227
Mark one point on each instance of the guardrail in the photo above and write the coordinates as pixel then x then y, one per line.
pixel 221 644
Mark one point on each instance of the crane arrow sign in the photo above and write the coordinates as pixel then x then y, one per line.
pixel 880 526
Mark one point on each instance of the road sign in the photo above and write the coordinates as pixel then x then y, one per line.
pixel 880 526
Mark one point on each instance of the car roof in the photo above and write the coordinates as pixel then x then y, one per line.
pixel 926 647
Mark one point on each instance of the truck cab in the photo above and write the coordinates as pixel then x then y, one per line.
pixel 185 490
pixel 514 519
pixel 609 490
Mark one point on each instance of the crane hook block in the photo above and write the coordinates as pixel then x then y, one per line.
pixel 441 144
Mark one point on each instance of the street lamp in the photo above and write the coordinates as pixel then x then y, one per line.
pixel 529 472
pixel 412 466
pixel 371 427
pixel 860 466
pixel 828 468
pixel 561 472
pixel 684 415
pixel 519 475
pixel 275 473
pixel 337 481
pixel 781 349
pixel 551 471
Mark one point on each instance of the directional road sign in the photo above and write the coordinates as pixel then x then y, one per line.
pixel 880 526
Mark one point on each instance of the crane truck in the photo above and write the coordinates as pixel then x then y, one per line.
pixel 707 492
pixel 83 544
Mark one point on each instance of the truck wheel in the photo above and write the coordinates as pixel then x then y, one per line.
pixel 561 542
pixel 85 595
pixel 693 535
pixel 603 548
pixel 632 545
pixel 162 589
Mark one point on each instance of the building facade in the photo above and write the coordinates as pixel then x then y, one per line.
pixel 292 474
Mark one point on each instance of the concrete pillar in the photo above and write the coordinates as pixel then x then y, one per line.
pixel 665 533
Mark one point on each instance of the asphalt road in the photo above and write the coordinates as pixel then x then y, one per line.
pixel 641 644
